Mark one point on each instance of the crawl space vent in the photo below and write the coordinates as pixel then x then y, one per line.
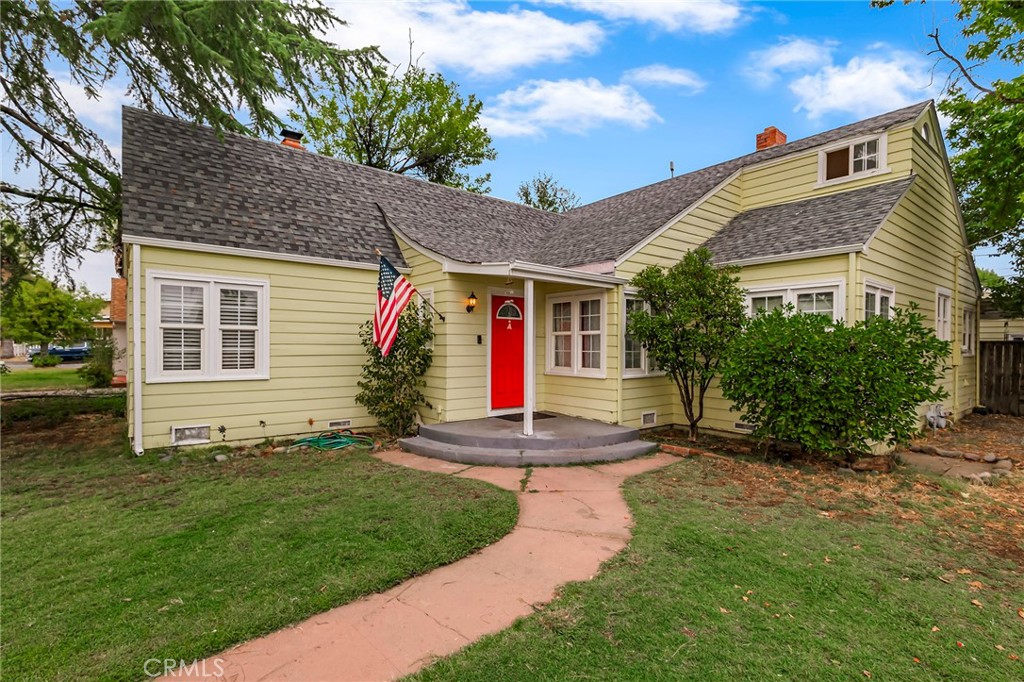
pixel 743 426
pixel 339 423
pixel 648 419
pixel 190 435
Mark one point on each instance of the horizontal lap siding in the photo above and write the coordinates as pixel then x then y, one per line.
pixel 689 232
pixel 315 353
pixel 996 329
pixel 465 360
pixel 796 178
pixel 915 252
pixel 426 274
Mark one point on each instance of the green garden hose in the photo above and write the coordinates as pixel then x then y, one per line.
pixel 333 440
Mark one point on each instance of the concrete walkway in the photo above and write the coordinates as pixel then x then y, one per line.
pixel 574 521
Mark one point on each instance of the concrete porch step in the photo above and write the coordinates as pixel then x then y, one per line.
pixel 557 433
pixel 496 456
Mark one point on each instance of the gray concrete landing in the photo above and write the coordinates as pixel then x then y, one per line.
pixel 557 440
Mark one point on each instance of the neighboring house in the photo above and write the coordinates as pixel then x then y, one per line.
pixel 119 325
pixel 999 326
pixel 251 266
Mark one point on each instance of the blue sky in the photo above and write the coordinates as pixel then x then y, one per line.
pixel 603 95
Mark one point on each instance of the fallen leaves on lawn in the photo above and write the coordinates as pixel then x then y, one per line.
pixel 935 628
pixel 976 585
pixel 1020 612
pixel 724 610
pixel 977 603
pixel 866 673
pixel 964 571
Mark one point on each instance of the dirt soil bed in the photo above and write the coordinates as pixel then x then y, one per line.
pixel 999 434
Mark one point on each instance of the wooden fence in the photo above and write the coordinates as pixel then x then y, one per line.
pixel 1002 376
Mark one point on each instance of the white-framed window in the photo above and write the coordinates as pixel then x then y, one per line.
pixel 206 328
pixel 821 298
pixel 967 341
pixel 943 314
pixel 576 337
pixel 878 300
pixel 860 157
pixel 635 361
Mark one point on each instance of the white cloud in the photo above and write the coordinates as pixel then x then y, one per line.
pixel 660 74
pixel 707 16
pixel 865 86
pixel 572 106
pixel 102 112
pixel 791 54
pixel 451 34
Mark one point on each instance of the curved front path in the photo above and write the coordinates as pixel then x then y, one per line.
pixel 571 520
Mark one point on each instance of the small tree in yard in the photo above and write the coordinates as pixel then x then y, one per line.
pixel 390 387
pixel 834 389
pixel 694 311
pixel 45 314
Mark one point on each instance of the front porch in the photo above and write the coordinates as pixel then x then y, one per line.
pixel 500 441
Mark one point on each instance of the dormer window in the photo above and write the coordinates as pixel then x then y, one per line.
pixel 862 157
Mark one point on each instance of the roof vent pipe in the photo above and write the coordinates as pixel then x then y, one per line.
pixel 291 139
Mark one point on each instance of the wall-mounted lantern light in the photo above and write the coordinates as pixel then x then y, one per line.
pixel 470 302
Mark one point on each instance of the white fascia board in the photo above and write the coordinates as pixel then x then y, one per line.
pixel 817 253
pixel 250 253
pixel 675 219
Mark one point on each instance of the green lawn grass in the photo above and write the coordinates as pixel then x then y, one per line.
pixel 744 571
pixel 41 378
pixel 110 560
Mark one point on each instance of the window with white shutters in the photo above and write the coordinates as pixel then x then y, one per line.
pixel 207 329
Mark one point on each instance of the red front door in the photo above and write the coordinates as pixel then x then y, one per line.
pixel 506 352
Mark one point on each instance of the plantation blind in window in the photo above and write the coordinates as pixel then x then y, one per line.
pixel 181 327
pixel 239 323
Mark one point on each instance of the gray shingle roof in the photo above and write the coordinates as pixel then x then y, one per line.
pixel 184 182
pixel 838 220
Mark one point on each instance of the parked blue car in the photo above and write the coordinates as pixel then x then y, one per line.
pixel 68 354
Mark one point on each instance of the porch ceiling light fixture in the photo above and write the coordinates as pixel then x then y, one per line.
pixel 470 302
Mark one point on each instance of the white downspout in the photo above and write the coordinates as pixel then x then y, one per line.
pixel 136 351
pixel 529 360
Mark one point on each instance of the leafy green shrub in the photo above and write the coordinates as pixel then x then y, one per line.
pixel 40 360
pixel 390 387
pixel 691 314
pixel 99 371
pixel 831 388
pixel 54 411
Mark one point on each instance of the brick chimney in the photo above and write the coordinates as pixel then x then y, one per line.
pixel 291 139
pixel 771 137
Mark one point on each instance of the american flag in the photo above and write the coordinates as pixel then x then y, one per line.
pixel 393 294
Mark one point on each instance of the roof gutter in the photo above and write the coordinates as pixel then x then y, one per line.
pixel 816 253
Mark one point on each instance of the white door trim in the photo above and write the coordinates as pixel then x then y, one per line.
pixel 491 293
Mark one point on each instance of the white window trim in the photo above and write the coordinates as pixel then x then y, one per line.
pixel 883 160
pixel 968 334
pixel 645 369
pixel 790 291
pixel 577 370
pixel 944 331
pixel 879 288
pixel 211 338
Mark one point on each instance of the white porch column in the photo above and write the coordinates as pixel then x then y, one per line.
pixel 529 359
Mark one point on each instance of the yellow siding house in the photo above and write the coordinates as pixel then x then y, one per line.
pixel 252 264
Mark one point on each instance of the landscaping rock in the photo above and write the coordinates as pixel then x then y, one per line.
pixel 990 458
pixel 971 457
pixel 926 449
pixel 952 454
pixel 220 458
pixel 975 479
pixel 166 458
pixel 1004 465
pixel 846 470
pixel 881 463
pixel 280 449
